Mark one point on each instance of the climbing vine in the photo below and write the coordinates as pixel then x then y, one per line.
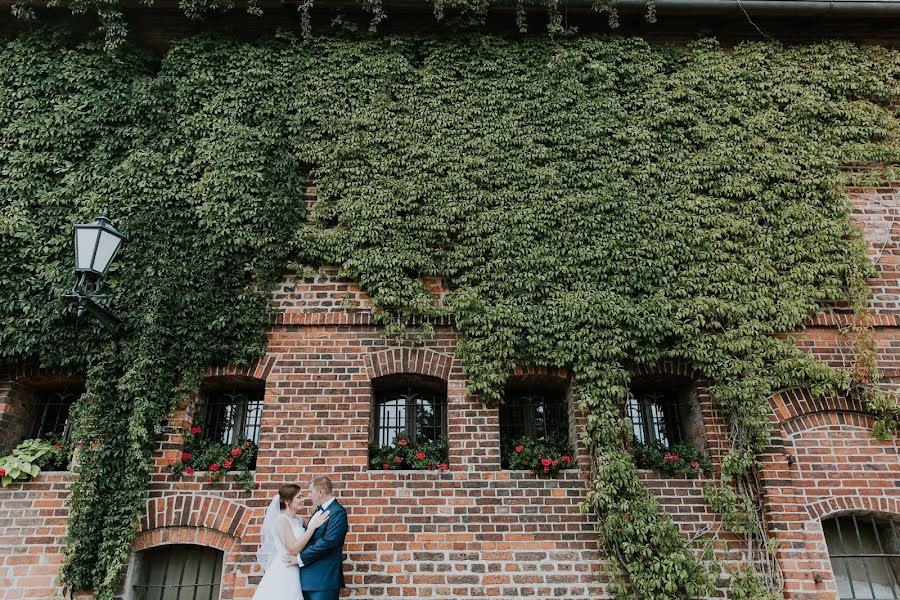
pixel 592 203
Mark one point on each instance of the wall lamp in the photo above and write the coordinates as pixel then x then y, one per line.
pixel 96 244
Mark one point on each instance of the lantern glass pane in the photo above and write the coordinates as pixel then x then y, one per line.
pixel 85 239
pixel 106 248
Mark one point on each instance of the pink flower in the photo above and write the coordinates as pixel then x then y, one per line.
pixel 189 471
pixel 228 462
pixel 671 457
pixel 247 443
pixel 402 442
pixel 520 448
pixel 235 451
pixel 695 464
pixel 387 465
pixel 398 460
pixel 420 455
pixel 545 462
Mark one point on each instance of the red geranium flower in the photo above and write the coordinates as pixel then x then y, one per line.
pixel 189 470
pixel 443 466
pixel 195 430
pixel 214 467
pixel 420 455
pixel 402 442
pixel 398 460
pixel 566 458
pixel 228 462
pixel 257 485
pixel 387 465
pixel 671 457
pixel 520 448
pixel 185 456
pixel 235 451
pixel 2 472
pixel 545 462
pixel 57 446
pixel 247 443
pixel 695 464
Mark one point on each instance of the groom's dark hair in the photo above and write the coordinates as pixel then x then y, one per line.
pixel 321 482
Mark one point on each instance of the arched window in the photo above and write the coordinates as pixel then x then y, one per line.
pixel 660 410
pixel 177 572
pixel 51 408
pixel 413 407
pixel 535 411
pixel 230 411
pixel 534 423
pixel 865 556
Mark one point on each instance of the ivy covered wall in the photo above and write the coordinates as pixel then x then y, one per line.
pixel 591 203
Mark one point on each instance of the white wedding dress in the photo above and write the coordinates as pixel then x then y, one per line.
pixel 282 579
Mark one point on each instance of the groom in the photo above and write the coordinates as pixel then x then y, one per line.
pixel 321 561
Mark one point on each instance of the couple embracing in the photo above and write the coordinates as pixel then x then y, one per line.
pixel 286 544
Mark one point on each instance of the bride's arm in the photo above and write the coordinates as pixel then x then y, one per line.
pixel 294 544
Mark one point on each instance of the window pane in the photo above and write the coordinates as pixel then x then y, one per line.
pixel 637 419
pixel 51 410
pixel 416 414
pixel 656 416
pixel 863 557
pixel 391 420
pixel 231 416
pixel 534 414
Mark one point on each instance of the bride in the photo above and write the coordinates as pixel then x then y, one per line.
pixel 281 538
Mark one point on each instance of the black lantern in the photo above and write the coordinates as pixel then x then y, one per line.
pixel 96 244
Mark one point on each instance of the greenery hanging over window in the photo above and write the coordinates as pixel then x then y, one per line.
pixel 591 202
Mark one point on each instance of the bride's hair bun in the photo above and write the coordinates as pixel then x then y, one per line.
pixel 288 492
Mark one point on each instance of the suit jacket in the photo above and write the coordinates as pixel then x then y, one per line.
pixel 323 560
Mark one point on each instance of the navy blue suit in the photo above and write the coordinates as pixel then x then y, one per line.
pixel 322 574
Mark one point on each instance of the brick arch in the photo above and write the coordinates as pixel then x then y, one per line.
pixel 198 513
pixel 421 361
pixel 259 371
pixel 837 505
pixel 542 372
pixel 842 419
pixel 31 374
pixel 793 404
pixel 664 367
pixel 185 535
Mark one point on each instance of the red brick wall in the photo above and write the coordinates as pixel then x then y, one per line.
pixel 475 531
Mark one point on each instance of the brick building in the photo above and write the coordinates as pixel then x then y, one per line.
pixel 320 395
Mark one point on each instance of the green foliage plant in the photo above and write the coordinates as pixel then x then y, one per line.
pixel 544 458
pixel 216 458
pixel 670 460
pixel 591 202
pixel 404 453
pixel 28 459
